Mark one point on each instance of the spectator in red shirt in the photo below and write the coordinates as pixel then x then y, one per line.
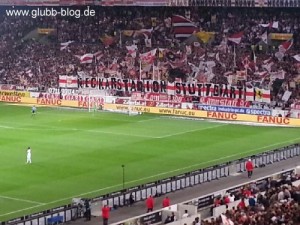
pixel 226 200
pixel 150 204
pixel 217 202
pixel 166 202
pixel 247 193
pixel 105 214
pixel 249 168
pixel 242 204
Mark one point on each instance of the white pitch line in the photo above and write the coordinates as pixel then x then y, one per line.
pixel 190 131
pixel 21 200
pixel 147 120
pixel 49 128
pixel 75 129
pixel 123 134
pixel 6 127
pixel 153 176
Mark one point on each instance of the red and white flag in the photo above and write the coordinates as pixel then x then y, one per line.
pixel 65 45
pixel 98 55
pixel 285 46
pixel 270 25
pixel 228 73
pixel 258 95
pixel 101 67
pixel 262 74
pixel 87 58
pixel 67 81
pixel 148 57
pixel 132 49
pixel 236 38
pixel 182 27
pixel 114 65
pixel 226 221
pixel 241 75
pixel 267 64
pixel 146 32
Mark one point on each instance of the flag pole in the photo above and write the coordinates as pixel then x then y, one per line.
pixel 120 39
pixel 140 70
pixel 153 71
pixel 234 56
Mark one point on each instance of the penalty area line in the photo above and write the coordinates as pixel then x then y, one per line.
pixel 153 176
pixel 21 200
pixel 190 131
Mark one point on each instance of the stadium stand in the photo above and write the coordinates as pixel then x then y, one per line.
pixel 33 57
pixel 139 208
pixel 273 202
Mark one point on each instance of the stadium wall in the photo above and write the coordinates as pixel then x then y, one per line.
pixel 164 186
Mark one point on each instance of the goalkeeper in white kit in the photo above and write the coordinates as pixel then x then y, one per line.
pixel 28 156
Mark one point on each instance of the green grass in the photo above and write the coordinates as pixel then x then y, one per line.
pixel 76 153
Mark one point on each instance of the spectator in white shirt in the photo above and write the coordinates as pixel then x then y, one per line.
pixel 185 215
pixel 231 198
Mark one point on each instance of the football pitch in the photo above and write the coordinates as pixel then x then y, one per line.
pixel 80 154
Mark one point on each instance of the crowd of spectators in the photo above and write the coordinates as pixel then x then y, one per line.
pixel 269 203
pixel 32 59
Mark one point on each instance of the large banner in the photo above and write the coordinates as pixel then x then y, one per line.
pixel 176 88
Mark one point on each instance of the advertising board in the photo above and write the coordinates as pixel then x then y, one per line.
pixel 208 114
pixel 240 110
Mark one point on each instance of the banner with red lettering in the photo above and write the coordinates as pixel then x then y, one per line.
pixel 224 101
pixel 149 103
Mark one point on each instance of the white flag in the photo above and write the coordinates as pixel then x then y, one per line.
pixel 264 37
pixel 148 42
pixel 286 96
pixel 65 45
pixel 297 57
